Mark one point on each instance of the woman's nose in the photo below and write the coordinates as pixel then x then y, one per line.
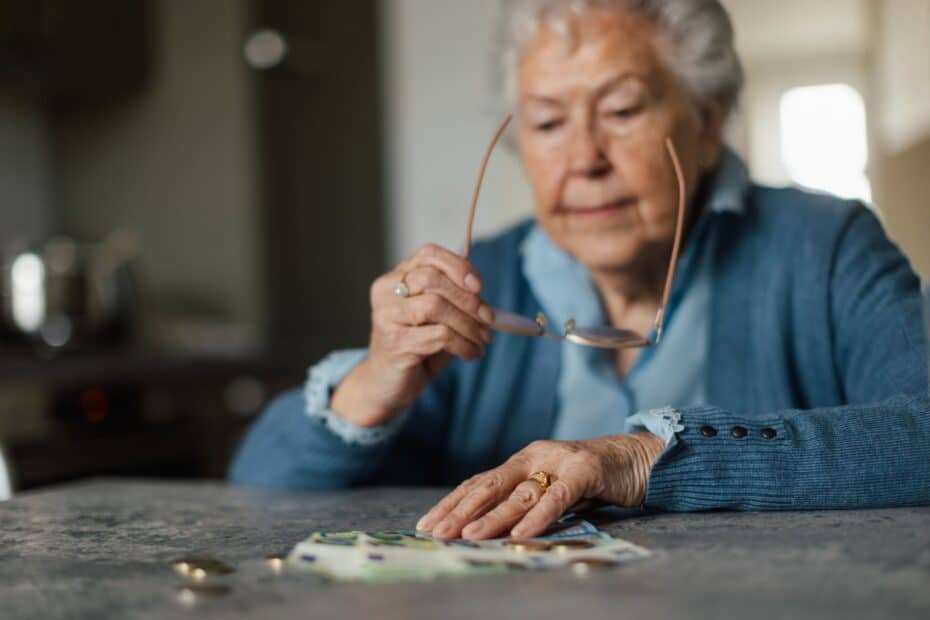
pixel 586 157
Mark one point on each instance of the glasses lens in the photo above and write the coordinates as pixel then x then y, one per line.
pixel 607 338
pixel 515 324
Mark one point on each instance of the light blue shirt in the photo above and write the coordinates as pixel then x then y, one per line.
pixel 593 400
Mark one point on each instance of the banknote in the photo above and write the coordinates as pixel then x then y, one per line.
pixel 378 556
pixel 404 555
pixel 332 560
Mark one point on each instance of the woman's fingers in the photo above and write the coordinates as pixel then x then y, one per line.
pixel 430 280
pixel 408 346
pixel 435 514
pixel 425 325
pixel 507 514
pixel 471 507
pixel 557 499
pixel 442 295
pixel 470 501
pixel 431 339
pixel 459 270
pixel 433 309
pixel 438 512
pixel 503 499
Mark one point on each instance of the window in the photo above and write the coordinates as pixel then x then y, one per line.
pixel 824 139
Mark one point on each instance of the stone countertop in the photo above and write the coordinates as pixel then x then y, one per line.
pixel 104 549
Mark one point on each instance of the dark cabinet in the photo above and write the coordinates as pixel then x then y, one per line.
pixel 84 50
pixel 322 168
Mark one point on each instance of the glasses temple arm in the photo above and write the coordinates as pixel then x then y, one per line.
pixel 481 170
pixel 676 247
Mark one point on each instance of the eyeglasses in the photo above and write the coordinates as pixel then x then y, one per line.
pixel 601 337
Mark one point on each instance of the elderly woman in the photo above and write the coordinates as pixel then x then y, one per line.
pixel 792 367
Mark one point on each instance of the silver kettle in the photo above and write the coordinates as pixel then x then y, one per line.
pixel 67 295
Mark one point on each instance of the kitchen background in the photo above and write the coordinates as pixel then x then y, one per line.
pixel 195 196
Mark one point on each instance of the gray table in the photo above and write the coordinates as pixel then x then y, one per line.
pixel 103 549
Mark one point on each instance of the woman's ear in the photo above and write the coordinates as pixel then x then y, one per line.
pixel 711 140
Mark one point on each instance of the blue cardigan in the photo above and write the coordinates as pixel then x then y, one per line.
pixel 816 334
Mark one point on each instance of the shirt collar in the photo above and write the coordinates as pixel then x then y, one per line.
pixel 728 184
pixel 563 286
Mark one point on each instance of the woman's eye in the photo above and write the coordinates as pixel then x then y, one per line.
pixel 625 112
pixel 548 125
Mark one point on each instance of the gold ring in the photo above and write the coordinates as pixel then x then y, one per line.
pixel 543 478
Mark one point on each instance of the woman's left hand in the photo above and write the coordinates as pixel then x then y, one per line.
pixel 611 469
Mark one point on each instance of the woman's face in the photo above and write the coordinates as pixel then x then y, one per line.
pixel 592 122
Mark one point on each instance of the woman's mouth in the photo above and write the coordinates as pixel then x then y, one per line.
pixel 596 211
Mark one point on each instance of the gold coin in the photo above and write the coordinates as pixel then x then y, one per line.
pixel 182 567
pixel 563 546
pixel 203 589
pixel 200 568
pixel 275 563
pixel 528 545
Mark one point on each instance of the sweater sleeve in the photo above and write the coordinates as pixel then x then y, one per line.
pixel 323 379
pixel 299 444
pixel 870 452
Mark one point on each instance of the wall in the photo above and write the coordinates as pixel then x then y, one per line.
pixel 902 87
pixel 880 47
pixel 769 31
pixel 905 191
pixel 438 106
pixel 788 44
pixel 177 164
pixel 902 60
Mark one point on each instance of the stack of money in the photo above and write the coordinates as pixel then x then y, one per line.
pixel 408 555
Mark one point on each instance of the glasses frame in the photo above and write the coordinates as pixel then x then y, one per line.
pixel 610 337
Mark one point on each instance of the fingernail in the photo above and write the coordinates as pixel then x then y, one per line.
pixel 472 282
pixel 427 521
pixel 473 529
pixel 518 532
pixel 486 314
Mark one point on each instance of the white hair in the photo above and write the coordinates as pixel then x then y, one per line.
pixel 701 51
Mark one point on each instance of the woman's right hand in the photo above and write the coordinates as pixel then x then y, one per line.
pixel 414 338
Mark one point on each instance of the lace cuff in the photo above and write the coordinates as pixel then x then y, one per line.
pixel 663 423
pixel 322 379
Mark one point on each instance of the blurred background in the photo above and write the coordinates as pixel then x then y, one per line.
pixel 195 196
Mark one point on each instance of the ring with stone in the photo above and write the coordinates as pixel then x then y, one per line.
pixel 401 289
pixel 543 478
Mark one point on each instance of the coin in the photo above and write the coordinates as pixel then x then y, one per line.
pixel 275 563
pixel 528 545
pixel 199 568
pixel 188 594
pixel 564 546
